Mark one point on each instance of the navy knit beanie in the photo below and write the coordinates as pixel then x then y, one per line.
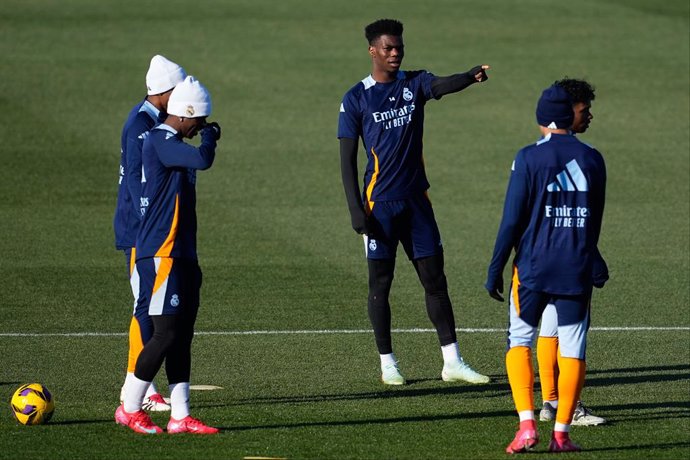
pixel 555 108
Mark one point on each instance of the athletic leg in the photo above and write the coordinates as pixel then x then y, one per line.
pixel 381 273
pixel 573 323
pixel 438 305
pixel 547 358
pixel 525 308
pixel 140 331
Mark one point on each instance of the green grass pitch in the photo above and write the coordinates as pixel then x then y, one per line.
pixel 275 242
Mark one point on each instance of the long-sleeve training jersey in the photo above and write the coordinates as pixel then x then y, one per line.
pixel 168 202
pixel 140 120
pixel 552 216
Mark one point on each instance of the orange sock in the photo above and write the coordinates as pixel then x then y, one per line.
pixel 547 359
pixel 521 377
pixel 570 382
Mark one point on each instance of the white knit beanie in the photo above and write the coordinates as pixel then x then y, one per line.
pixel 190 99
pixel 163 75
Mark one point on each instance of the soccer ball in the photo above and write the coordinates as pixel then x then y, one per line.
pixel 32 404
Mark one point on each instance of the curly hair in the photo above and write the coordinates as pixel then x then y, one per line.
pixel 383 27
pixel 579 90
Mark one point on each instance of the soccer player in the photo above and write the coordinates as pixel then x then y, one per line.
pixel 552 217
pixel 169 276
pixel 582 95
pixel 161 78
pixel 386 110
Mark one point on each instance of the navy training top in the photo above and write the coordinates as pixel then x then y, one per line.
pixel 552 216
pixel 168 202
pixel 140 120
pixel 389 117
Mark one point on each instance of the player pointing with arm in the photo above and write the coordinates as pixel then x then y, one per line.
pixel 386 110
pixel 168 273
pixel 552 218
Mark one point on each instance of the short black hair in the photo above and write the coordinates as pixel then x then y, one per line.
pixel 579 90
pixel 383 27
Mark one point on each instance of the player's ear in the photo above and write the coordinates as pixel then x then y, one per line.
pixel 372 51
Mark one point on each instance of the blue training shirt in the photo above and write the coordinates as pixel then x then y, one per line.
pixel 389 117
pixel 140 120
pixel 552 216
pixel 168 202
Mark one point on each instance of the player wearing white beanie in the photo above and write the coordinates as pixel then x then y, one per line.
pixel 190 99
pixel 169 277
pixel 161 78
pixel 163 75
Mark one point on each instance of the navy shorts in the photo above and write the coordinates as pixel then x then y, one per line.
pixel 168 286
pixel 572 316
pixel 410 222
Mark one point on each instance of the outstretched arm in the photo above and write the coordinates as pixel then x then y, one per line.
pixel 454 83
pixel 348 169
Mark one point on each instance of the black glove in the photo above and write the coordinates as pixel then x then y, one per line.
pixel 495 288
pixel 359 221
pixel 478 69
pixel 213 128
pixel 600 271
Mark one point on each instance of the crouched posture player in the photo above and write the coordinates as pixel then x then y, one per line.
pixel 167 270
pixel 386 110
pixel 552 217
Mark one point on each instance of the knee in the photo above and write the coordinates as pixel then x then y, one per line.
pixel 381 275
pixel 433 282
pixel 431 274
pixel 164 339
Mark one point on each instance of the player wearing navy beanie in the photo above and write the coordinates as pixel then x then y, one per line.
pixel 552 219
pixel 555 108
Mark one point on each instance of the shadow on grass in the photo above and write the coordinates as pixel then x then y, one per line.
pixel 80 422
pixel 374 421
pixel 635 379
pixel 675 367
pixel 404 391
pixel 637 447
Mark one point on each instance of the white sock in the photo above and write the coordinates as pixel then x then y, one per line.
pixel 387 360
pixel 128 378
pixel 553 404
pixel 561 427
pixel 151 390
pixel 134 393
pixel 526 415
pixel 179 400
pixel 451 353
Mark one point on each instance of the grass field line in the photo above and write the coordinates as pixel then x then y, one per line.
pixel 331 331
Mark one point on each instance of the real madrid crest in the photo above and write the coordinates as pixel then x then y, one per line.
pixel 190 111
pixel 407 95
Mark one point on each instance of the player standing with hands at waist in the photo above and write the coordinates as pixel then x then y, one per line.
pixel 167 266
pixel 552 217
pixel 386 110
